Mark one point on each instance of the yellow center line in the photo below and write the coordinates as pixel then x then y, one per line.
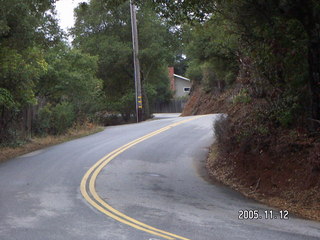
pixel 105 207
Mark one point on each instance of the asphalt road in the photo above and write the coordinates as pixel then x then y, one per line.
pixel 157 182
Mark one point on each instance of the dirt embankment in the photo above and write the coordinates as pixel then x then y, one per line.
pixel 274 165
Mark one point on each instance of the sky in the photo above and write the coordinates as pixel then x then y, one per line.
pixel 65 12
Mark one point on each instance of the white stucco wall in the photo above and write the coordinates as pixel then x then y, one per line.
pixel 180 84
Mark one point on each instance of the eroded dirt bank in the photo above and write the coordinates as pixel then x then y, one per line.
pixel 275 165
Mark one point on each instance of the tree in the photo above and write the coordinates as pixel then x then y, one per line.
pixel 36 64
pixel 26 29
pixel 71 77
pixel 19 74
pixel 213 52
pixel 28 23
pixel 103 28
pixel 282 38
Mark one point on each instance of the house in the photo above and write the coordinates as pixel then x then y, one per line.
pixel 179 85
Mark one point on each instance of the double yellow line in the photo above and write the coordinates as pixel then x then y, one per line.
pixel 89 192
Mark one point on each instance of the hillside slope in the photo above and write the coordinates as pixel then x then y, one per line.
pixel 275 165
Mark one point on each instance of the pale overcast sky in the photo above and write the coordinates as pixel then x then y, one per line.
pixel 65 12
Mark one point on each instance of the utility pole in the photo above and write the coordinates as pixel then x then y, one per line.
pixel 137 77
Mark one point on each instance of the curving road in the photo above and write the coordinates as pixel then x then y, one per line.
pixel 153 188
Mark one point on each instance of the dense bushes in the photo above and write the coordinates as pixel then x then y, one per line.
pixel 64 80
pixel 36 67
pixel 55 120
pixel 46 85
pixel 212 51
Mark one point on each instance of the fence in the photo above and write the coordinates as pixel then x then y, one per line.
pixel 173 106
pixel 28 117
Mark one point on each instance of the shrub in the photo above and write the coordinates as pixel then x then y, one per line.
pixel 285 111
pixel 221 129
pixel 43 122
pixel 242 97
pixel 63 116
pixel 55 119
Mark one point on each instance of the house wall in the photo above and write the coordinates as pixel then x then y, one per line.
pixel 180 84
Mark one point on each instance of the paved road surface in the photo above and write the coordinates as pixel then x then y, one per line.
pixel 159 181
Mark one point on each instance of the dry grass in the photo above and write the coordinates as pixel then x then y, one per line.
pixel 37 143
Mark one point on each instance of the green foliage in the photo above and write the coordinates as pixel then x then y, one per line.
pixel 71 77
pixel 125 105
pixel 103 29
pixel 27 29
pixel 272 42
pixel 183 11
pixel 63 116
pixel 36 65
pixel 6 99
pixel 285 111
pixel 20 72
pixel 282 56
pixel 44 121
pixel 194 71
pixel 29 23
pixel 55 119
pixel 262 130
pixel 251 133
pixel 213 53
pixel 242 97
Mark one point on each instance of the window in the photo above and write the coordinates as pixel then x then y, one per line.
pixel 186 89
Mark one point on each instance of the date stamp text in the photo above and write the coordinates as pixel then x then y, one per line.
pixel 252 214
